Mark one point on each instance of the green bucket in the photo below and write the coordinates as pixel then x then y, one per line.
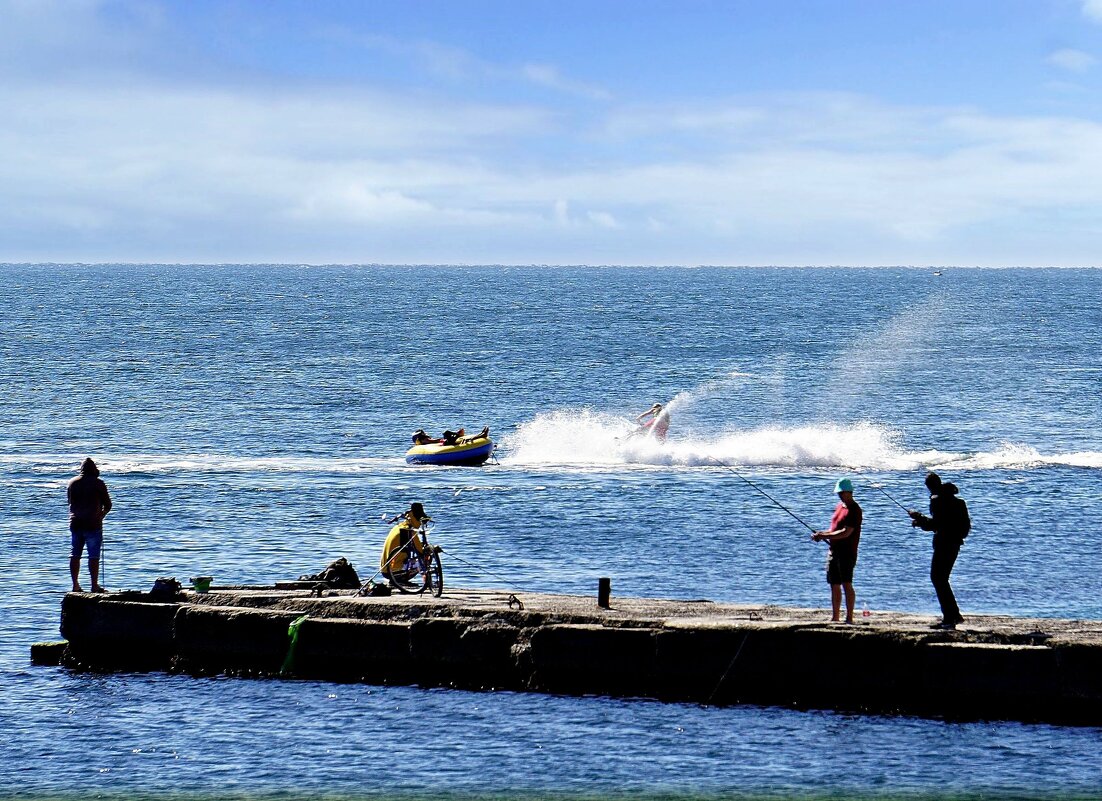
pixel 201 584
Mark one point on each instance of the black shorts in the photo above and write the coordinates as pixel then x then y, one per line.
pixel 840 568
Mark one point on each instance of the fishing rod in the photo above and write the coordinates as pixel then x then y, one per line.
pixel 763 492
pixel 882 491
pixel 426 523
pixel 876 486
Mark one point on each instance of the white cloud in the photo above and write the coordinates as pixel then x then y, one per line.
pixel 326 176
pixel 1072 60
pixel 1092 9
pixel 129 166
pixel 603 219
pixel 458 64
pixel 549 76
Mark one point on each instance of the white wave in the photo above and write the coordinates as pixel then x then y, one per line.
pixel 1018 456
pixel 121 464
pixel 585 438
pixel 568 436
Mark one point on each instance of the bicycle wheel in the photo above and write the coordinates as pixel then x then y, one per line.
pixel 414 579
pixel 435 574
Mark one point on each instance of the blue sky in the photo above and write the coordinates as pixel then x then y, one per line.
pixel 742 133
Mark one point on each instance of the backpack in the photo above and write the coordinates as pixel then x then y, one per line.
pixel 338 575
pixel 165 590
pixel 961 523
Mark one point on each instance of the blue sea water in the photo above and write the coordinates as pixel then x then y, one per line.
pixel 251 422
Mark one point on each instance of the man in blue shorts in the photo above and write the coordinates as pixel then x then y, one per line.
pixel 89 503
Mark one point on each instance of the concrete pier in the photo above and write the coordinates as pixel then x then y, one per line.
pixel 691 651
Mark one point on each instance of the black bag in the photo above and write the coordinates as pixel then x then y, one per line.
pixel 338 575
pixel 961 523
pixel 165 589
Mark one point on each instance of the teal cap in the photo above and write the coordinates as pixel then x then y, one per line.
pixel 843 485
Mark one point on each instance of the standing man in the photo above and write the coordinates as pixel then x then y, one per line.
pixel 950 523
pixel 89 503
pixel 843 535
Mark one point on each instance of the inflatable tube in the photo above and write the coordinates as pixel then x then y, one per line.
pixel 472 451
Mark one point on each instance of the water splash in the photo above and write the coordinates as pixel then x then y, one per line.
pixel 686 398
pixel 878 354
pixel 585 438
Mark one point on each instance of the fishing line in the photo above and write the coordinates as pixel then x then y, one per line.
pixel 877 487
pixel 477 568
pixel 763 492
pixel 883 491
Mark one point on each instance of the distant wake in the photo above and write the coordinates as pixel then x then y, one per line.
pixel 583 437
pixel 120 464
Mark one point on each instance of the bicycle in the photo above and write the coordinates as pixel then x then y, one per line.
pixel 415 566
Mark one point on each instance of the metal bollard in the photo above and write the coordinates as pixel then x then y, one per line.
pixel 604 589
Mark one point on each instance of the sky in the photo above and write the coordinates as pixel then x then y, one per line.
pixel 687 132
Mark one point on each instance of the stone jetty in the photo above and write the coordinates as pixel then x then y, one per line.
pixel 680 651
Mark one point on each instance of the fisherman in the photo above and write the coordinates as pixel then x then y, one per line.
pixel 843 535
pixel 950 523
pixel 655 420
pixel 397 544
pixel 89 503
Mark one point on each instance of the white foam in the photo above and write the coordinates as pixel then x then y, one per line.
pixel 585 438
pixel 1011 456
pixel 123 463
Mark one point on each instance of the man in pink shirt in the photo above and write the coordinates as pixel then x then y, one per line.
pixel 844 534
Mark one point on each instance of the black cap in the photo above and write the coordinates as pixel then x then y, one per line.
pixel 418 510
pixel 88 467
pixel 933 481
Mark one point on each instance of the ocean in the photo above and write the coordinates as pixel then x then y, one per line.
pixel 251 423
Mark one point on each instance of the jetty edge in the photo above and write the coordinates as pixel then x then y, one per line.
pixel 994 667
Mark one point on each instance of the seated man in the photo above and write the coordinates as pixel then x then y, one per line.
pixel 465 440
pixel 421 438
pixel 453 437
pixel 401 539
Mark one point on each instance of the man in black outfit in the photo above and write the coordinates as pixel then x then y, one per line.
pixel 950 523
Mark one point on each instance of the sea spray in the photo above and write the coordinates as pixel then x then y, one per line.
pixel 879 354
pixel 707 389
pixel 566 436
pixel 586 438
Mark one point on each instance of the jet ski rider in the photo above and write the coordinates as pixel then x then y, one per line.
pixel 655 420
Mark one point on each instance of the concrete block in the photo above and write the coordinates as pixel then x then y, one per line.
pixel 48 653
pixel 585 658
pixel 354 650
pixel 987 680
pixel 222 638
pixel 107 634
pixel 461 653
